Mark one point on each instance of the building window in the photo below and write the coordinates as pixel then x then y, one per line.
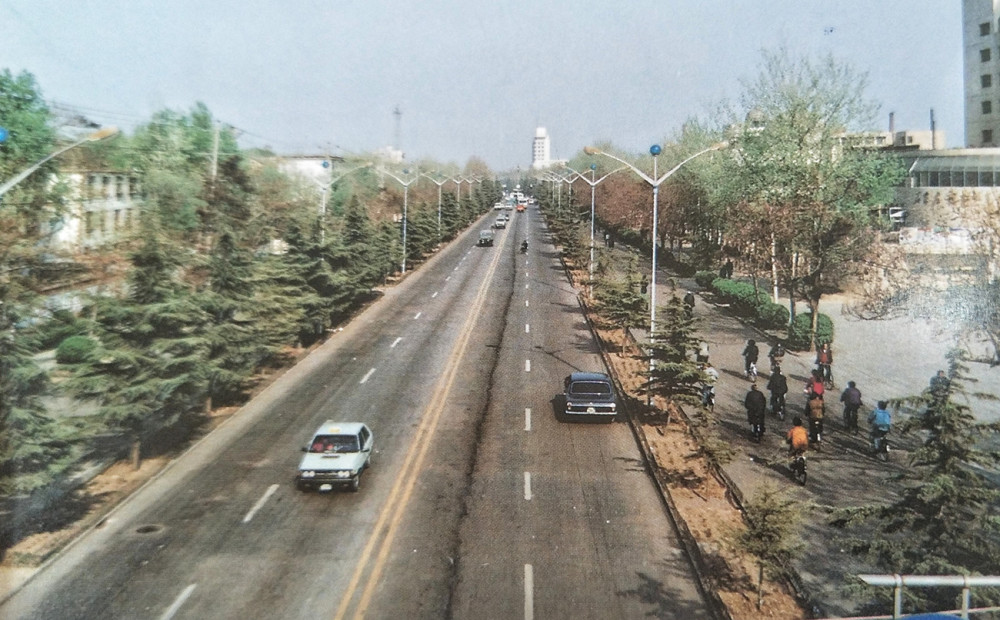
pixel 987 136
pixel 986 80
pixel 987 107
pixel 984 55
pixel 984 29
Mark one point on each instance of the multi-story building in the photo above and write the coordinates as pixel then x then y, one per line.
pixel 102 207
pixel 981 51
pixel 541 150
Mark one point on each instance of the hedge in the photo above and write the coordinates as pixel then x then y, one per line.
pixel 704 278
pixel 74 349
pixel 798 333
pixel 772 316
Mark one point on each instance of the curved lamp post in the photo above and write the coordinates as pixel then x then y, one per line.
pixel 101 134
pixel 655 182
pixel 325 189
pixel 593 185
pixel 406 190
pixel 439 184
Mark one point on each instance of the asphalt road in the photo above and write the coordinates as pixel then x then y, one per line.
pixel 479 504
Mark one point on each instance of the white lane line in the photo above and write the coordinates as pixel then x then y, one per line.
pixel 525 303
pixel 434 295
pixel 527 419
pixel 529 593
pixel 448 278
pixel 527 365
pixel 417 316
pixel 527 485
pixel 456 268
pixel 395 342
pixel 525 286
pixel 368 375
pixel 260 503
pixel 173 609
pixel 527 328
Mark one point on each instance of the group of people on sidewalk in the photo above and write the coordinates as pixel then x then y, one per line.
pixel 817 386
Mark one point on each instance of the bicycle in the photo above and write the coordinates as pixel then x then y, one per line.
pixel 778 405
pixel 880 444
pixel 798 468
pixel 751 372
pixel 851 418
pixel 708 397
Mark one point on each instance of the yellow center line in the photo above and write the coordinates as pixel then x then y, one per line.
pixel 399 496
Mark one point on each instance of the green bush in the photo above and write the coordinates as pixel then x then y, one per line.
pixel 771 315
pixel 704 278
pixel 74 349
pixel 741 295
pixel 798 333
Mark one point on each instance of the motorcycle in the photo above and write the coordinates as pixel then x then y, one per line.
pixel 524 247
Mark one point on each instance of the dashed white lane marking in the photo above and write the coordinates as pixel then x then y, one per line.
pixel 527 485
pixel 527 328
pixel 417 316
pixel 395 342
pixel 525 303
pixel 527 419
pixel 456 268
pixel 434 295
pixel 260 503
pixel 529 593
pixel 448 278
pixel 368 375
pixel 527 365
pixel 176 606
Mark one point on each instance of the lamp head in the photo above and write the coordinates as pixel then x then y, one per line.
pixel 655 150
pixel 101 134
pixel 593 166
pixel 590 150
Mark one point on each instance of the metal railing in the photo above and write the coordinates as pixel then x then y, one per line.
pixel 897 582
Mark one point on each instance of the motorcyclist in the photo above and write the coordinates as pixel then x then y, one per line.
pixel 776 354
pixel 524 246
pixel 711 375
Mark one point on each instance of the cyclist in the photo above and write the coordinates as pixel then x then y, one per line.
pixel 797 438
pixel 776 354
pixel 851 397
pixel 880 421
pixel 750 354
pixel 824 361
pixel 711 375
pixel 777 384
pixel 815 408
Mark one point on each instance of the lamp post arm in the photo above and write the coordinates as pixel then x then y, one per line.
pixel 98 135
pixel 645 177
pixel 667 174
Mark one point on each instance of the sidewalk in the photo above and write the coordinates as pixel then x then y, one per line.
pixel 886 359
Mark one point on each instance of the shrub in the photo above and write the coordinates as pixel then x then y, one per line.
pixel 772 315
pixel 741 295
pixel 704 278
pixel 74 349
pixel 798 333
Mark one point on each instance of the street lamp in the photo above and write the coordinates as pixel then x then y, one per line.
pixel 593 184
pixel 100 134
pixel 655 182
pixel 439 184
pixel 406 190
pixel 325 188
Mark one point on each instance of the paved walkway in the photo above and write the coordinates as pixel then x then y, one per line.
pixel 886 359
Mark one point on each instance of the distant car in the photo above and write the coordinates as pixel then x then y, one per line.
pixel 498 206
pixel 485 238
pixel 589 394
pixel 336 456
pixel 501 222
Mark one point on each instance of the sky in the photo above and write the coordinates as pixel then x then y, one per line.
pixel 471 78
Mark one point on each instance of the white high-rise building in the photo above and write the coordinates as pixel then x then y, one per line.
pixel 541 153
pixel 981 51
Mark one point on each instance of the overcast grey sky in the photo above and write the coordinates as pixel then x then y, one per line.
pixel 471 77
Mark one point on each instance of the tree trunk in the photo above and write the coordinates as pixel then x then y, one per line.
pixel 760 586
pixel 135 454
pixel 814 308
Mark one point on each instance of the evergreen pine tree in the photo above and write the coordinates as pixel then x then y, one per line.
pixel 675 373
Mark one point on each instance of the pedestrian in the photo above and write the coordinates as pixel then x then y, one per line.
pixel 756 405
pixel 729 269
pixel 777 384
pixel 607 239
pixel 851 397
pixel 939 384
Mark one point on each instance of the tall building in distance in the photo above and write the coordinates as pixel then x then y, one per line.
pixel 541 150
pixel 981 47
